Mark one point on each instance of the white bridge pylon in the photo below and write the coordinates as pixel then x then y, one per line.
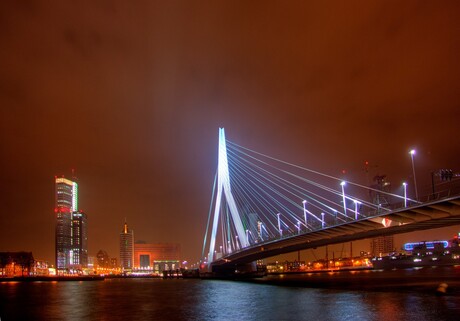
pixel 223 184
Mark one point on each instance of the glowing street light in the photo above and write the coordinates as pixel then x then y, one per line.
pixel 322 220
pixel 412 153
pixel 279 225
pixel 305 212
pixel 405 194
pixel 343 183
pixel 356 208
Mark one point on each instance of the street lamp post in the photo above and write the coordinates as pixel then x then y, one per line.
pixel 343 196
pixel 412 153
pixel 405 194
pixel 305 213
pixel 279 225
pixel 262 231
pixel 356 209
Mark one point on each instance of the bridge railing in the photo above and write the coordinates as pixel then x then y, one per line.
pixel 452 190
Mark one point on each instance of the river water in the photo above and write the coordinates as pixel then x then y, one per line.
pixel 193 299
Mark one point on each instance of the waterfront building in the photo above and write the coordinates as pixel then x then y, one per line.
pixel 16 264
pixel 40 268
pixel 103 259
pixel 63 238
pixel 126 248
pixel 79 252
pixel 156 257
pixel 71 240
pixel 91 260
pixel 113 263
pixel 382 244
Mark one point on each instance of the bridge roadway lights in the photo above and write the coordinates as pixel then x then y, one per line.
pixel 433 214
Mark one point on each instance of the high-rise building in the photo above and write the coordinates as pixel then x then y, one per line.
pixel 126 248
pixel 79 251
pixel 71 227
pixel 63 238
pixel 66 194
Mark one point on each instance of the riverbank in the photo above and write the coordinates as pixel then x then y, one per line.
pixel 425 279
pixel 52 278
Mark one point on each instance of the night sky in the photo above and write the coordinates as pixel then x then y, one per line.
pixel 131 96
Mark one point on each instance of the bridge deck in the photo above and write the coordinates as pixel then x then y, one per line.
pixel 440 213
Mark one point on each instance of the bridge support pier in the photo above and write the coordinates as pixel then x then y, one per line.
pixel 236 271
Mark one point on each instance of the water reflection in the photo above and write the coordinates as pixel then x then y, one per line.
pixel 154 299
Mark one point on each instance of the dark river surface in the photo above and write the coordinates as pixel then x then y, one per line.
pixel 363 295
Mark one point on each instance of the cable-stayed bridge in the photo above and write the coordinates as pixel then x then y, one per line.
pixel 262 207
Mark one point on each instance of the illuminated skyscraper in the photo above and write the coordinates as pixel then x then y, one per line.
pixel 71 229
pixel 126 248
pixel 63 237
pixel 66 194
pixel 79 252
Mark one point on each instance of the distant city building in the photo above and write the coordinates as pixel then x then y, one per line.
pixel 382 244
pixel 40 268
pixel 157 256
pixel 16 264
pixel 71 239
pixel 103 259
pixel 126 248
pixel 91 260
pixel 113 263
